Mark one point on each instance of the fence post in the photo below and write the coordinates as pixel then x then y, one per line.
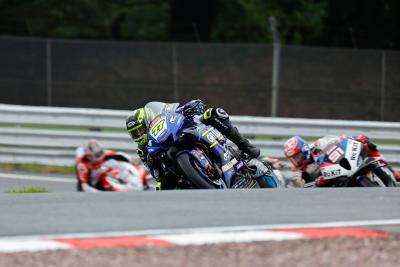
pixel 275 66
pixel 48 72
pixel 383 62
pixel 175 73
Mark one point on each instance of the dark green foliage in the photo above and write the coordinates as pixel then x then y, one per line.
pixel 362 24
pixel 348 23
pixel 241 20
pixel 133 20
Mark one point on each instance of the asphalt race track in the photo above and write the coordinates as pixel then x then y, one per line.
pixel 51 182
pixel 60 213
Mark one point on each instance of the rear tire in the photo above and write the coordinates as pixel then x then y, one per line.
pixel 201 181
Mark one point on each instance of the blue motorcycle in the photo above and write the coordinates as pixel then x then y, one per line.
pixel 200 155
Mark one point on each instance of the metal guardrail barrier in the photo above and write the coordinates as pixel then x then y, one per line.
pixel 50 135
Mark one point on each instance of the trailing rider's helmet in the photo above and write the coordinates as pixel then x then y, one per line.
pixel 93 151
pixel 297 151
pixel 136 124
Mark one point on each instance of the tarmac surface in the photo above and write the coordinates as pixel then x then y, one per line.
pixel 51 182
pixel 61 213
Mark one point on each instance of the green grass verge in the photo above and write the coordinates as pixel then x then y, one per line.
pixel 28 190
pixel 36 168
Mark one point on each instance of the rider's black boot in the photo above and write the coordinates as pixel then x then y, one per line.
pixel 243 144
pixel 218 118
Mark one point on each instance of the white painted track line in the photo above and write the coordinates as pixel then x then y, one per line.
pixel 204 230
pixel 18 176
pixel 30 245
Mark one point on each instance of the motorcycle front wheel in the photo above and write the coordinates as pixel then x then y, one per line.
pixel 364 181
pixel 196 175
pixel 384 174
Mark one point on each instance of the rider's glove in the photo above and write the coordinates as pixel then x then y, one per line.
pixel 362 138
pixel 276 163
pixel 158 186
pixel 194 107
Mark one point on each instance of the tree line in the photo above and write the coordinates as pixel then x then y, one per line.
pixel 339 23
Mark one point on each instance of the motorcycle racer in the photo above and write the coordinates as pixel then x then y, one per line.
pixel 302 156
pixel 89 157
pixel 138 122
pixel 297 151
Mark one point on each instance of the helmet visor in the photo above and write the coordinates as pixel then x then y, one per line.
pixel 98 154
pixel 137 132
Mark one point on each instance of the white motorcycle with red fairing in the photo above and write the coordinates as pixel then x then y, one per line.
pixel 344 163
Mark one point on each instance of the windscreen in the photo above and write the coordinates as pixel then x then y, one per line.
pixel 156 108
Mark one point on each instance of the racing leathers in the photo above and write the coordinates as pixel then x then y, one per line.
pixel 215 117
pixel 85 168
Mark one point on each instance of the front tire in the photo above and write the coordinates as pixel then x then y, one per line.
pixel 383 174
pixel 364 181
pixel 187 165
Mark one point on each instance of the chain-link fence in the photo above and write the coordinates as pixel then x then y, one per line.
pixel 314 82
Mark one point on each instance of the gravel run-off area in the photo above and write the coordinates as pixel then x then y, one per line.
pixel 339 251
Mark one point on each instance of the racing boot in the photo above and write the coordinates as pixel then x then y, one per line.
pixel 243 144
pixel 218 118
